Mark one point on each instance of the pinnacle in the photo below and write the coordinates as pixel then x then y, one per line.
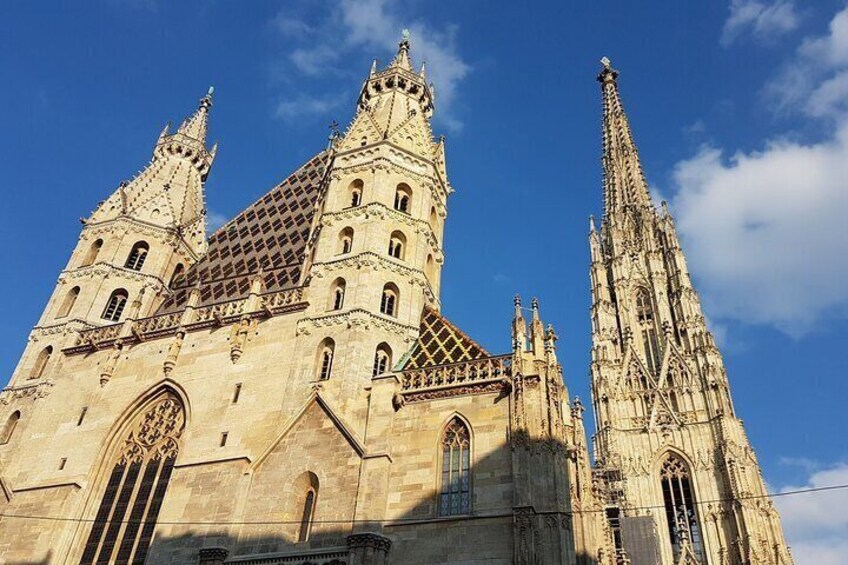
pixel 196 126
pixel 402 58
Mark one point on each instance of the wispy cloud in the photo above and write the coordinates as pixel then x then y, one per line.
pixel 304 105
pixel 215 220
pixel 362 29
pixel 815 523
pixel 764 20
pixel 763 229
pixel 815 80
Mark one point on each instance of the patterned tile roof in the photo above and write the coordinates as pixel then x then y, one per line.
pixel 270 235
pixel 440 343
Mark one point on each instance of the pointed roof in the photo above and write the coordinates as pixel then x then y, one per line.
pixel 268 237
pixel 624 182
pixel 196 125
pixel 402 60
pixel 441 343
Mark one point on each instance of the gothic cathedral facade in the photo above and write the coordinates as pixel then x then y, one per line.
pixel 289 391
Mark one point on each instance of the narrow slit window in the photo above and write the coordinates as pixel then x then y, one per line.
pixel 83 412
pixel 236 393
pixel 224 436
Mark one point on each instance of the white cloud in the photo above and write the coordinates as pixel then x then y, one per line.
pixel 304 105
pixel 816 524
pixel 815 80
pixel 365 28
pixel 765 20
pixel 764 230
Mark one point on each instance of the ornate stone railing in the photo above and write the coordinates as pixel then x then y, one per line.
pixel 269 304
pixel 326 556
pixel 490 374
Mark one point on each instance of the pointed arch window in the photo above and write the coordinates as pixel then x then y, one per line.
pixel 179 271
pixel 92 253
pixel 115 306
pixel 389 300
pixel 137 256
pixel 41 362
pixel 326 351
pixel 356 193
pixel 130 504
pixel 345 241
pixel 68 303
pixel 397 245
pixel 455 493
pixel 680 508
pixel 646 319
pixel 337 294
pixel 382 359
pixel 9 427
pixel 403 198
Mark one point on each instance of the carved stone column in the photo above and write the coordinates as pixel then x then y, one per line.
pixel 368 548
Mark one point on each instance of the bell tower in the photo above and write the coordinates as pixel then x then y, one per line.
pixel 377 253
pixel 671 450
pixel 138 240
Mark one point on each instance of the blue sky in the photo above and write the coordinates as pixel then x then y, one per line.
pixel 739 107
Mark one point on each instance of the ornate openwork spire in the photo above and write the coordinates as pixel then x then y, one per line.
pixel 624 181
pixel 195 126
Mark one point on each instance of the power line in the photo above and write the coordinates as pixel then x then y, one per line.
pixel 398 520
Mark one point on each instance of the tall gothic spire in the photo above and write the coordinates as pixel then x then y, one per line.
pixel 624 182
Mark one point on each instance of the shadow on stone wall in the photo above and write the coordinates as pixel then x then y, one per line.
pixel 418 538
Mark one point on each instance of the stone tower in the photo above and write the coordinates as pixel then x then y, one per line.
pixel 375 251
pixel 681 481
pixel 146 234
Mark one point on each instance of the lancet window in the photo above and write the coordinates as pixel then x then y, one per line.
pixel 388 302
pixel 680 508
pixel 646 319
pixel 41 362
pixel 337 294
pixel 9 427
pixel 137 256
pixel 92 253
pixel 346 240
pixel 455 496
pixel 397 243
pixel 126 518
pixel 356 193
pixel 115 306
pixel 403 196
pixel 326 351
pixel 382 359
pixel 68 303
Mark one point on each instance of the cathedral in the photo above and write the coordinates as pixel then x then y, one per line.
pixel 289 391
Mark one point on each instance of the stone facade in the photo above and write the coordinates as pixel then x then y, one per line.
pixel 288 390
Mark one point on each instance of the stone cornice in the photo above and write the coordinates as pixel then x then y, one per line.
pixel 373 159
pixel 357 317
pixel 105 270
pixel 382 212
pixel 167 235
pixel 377 261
